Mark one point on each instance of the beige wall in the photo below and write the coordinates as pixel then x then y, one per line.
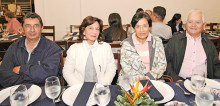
pixel 63 13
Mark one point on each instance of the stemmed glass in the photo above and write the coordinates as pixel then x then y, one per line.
pixel 6 32
pixel 52 87
pixel 102 94
pixel 19 95
pixel 20 30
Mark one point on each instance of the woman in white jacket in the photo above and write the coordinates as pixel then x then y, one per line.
pixel 91 60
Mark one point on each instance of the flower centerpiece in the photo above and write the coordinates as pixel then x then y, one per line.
pixel 135 98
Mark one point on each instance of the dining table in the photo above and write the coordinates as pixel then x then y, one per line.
pixel 43 100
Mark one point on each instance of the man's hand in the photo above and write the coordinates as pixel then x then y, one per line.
pixel 16 69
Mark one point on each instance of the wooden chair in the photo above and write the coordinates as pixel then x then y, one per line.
pixel 49 31
pixel 117 57
pixel 62 80
pixel 63 45
pixel 74 28
pixel 210 26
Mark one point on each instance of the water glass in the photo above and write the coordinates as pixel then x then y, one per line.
pixel 5 34
pixel 126 80
pixel 198 78
pixel 204 98
pixel 102 94
pixel 52 87
pixel 20 30
pixel 19 95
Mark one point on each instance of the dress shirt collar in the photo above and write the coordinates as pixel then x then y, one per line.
pixel 190 37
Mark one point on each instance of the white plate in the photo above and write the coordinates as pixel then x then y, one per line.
pixel 34 92
pixel 72 92
pixel 209 83
pixel 165 90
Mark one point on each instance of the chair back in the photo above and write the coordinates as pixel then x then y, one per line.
pixel 74 28
pixel 116 49
pixel 117 57
pixel 210 26
pixel 63 45
pixel 49 32
pixel 62 80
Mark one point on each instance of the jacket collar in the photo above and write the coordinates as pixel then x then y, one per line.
pixel 39 47
pixel 96 43
pixel 203 36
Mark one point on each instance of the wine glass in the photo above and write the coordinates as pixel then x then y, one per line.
pixel 102 94
pixel 52 87
pixel 19 95
pixel 204 98
pixel 20 30
pixel 5 34
pixel 126 80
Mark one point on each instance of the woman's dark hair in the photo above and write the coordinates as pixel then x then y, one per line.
pixel 139 16
pixel 139 10
pixel 114 21
pixel 89 20
pixel 175 18
pixel 32 15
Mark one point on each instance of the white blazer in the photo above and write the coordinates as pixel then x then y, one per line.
pixel 77 54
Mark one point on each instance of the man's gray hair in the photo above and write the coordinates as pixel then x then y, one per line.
pixel 196 11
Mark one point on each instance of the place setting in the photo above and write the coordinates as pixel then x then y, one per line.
pixel 91 92
pixel 206 90
pixel 20 95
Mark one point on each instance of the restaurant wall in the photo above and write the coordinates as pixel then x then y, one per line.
pixel 63 13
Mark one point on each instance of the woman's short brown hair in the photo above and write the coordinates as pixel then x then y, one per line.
pixel 89 20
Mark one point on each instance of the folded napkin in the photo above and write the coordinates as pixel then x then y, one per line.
pixel 6 102
pixel 84 93
pixel 153 92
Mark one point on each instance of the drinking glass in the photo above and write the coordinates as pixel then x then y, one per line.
pixel 20 30
pixel 198 78
pixel 52 87
pixel 5 34
pixel 102 94
pixel 126 80
pixel 204 98
pixel 19 95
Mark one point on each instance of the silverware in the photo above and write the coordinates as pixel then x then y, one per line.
pixel 58 99
pixel 186 93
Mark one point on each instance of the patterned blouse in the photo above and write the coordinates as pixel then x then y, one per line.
pixel 131 61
